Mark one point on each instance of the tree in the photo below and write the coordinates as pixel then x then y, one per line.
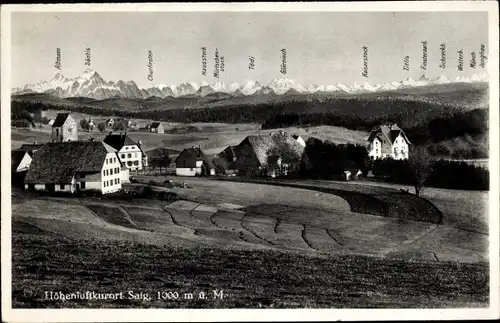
pixel 119 126
pixel 162 160
pixel 84 124
pixel 101 126
pixel 221 165
pixel 420 163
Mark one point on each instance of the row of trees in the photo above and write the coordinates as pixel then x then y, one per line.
pixel 323 159
pixel 353 112
pixel 421 169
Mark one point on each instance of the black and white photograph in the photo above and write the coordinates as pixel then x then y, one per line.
pixel 251 158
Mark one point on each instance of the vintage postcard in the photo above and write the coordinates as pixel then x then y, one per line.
pixel 244 161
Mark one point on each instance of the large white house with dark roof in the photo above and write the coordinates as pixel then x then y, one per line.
pixel 388 141
pixel 129 151
pixel 75 166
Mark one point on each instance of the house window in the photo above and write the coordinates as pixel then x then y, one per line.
pixel 118 180
pixel 135 155
pixel 129 155
pixel 123 155
pixel 136 163
pixel 106 160
pixel 103 172
pixel 61 186
pixel 111 171
pixel 82 185
pixel 126 148
pixel 129 163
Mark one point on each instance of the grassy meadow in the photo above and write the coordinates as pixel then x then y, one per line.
pixel 248 279
pixel 213 137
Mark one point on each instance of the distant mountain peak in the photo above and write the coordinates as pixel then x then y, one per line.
pixel 90 84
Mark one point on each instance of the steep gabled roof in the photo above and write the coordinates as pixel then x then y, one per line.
pixel 57 162
pixel 197 154
pixel 16 156
pixel 117 141
pixel 389 133
pixel 155 124
pixel 264 146
pixel 60 119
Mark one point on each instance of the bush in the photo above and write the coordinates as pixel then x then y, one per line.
pixel 20 123
pixel 444 174
pixel 147 192
pixel 458 175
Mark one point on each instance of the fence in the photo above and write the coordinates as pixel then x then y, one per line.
pixel 153 171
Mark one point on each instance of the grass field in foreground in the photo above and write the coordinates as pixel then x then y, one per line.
pixel 43 262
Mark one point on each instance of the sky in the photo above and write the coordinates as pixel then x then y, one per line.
pixel 321 47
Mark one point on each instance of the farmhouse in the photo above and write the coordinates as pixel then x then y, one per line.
pixel 64 128
pixel 129 151
pixel 388 141
pixel 156 127
pixel 75 166
pixel 277 153
pixel 193 162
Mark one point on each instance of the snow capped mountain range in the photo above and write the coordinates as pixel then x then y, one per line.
pixel 91 84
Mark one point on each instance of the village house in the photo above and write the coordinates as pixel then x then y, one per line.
pixel 130 152
pixel 388 141
pixel 156 127
pixel 75 166
pixel 64 128
pixel 193 162
pixel 276 154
